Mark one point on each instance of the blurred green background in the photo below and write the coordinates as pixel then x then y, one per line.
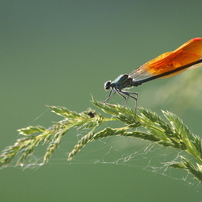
pixel 61 52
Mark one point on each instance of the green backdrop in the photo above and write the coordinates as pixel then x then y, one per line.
pixel 61 52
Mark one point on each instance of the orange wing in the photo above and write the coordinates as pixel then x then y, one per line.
pixel 187 53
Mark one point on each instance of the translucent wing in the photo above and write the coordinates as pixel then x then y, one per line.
pixel 187 53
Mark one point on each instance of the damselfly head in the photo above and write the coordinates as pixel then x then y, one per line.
pixel 107 85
